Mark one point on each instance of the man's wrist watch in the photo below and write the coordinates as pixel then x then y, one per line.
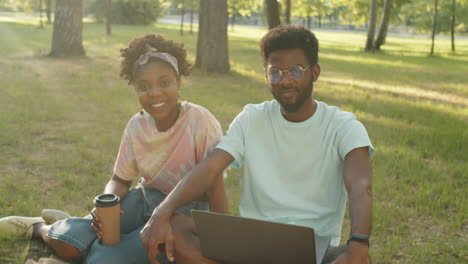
pixel 359 238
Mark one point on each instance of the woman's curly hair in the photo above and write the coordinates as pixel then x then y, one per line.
pixel 138 47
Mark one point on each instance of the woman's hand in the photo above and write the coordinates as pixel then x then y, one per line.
pixel 117 186
pixel 96 223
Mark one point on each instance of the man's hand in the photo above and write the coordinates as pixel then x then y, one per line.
pixel 157 234
pixel 356 253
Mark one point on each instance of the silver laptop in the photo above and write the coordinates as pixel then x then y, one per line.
pixel 238 240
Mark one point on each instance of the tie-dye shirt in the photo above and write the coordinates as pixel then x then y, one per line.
pixel 162 159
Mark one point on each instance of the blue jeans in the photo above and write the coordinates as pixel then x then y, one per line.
pixel 138 207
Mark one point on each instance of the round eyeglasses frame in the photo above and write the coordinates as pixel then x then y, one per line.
pixel 296 72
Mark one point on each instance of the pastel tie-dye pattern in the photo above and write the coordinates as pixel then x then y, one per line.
pixel 164 158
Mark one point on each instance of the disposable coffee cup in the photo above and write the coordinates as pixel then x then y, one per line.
pixel 108 211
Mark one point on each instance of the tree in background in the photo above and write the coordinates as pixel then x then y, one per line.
pixel 243 8
pixel 305 9
pixel 419 16
pixel 385 19
pixel 308 8
pixel 323 9
pixel 434 25
pixel 48 10
pixel 273 17
pixel 192 4
pixel 68 27
pixel 18 5
pixel 41 25
pixel 287 12
pixel 182 7
pixel 452 25
pixel 108 17
pixel 371 25
pixel 354 12
pixel 212 45
pixel 388 6
pixel 137 12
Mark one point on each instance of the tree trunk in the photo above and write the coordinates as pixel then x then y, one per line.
pixel 309 22
pixel 108 17
pixel 182 19
pixel 68 27
pixel 320 21
pixel 191 20
pixel 383 24
pixel 434 26
pixel 41 25
pixel 48 11
pixel 287 12
pixel 145 13
pixel 212 45
pixel 371 25
pixel 273 17
pixel 452 26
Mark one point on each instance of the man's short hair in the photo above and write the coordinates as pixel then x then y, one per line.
pixel 290 37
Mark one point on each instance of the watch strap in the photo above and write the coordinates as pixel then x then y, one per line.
pixel 359 238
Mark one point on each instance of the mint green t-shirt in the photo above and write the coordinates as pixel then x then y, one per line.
pixel 293 172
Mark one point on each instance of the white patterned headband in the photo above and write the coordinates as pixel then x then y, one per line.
pixel 153 53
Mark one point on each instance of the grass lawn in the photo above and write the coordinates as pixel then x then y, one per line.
pixel 61 123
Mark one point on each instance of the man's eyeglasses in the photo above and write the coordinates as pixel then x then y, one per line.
pixel 276 75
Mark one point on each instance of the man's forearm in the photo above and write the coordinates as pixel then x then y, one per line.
pixel 200 179
pixel 217 197
pixel 358 181
pixel 187 190
pixel 360 208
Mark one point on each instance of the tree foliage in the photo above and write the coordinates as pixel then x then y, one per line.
pixel 186 6
pixel 244 7
pixel 20 5
pixel 143 12
pixel 419 15
pixel 310 8
pixel 304 8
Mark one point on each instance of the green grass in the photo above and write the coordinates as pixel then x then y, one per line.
pixel 61 123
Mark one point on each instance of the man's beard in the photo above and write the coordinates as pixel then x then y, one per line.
pixel 301 98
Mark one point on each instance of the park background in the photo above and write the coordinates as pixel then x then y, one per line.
pixel 62 113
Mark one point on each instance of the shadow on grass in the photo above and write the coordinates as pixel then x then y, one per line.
pixel 441 135
pixel 363 65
